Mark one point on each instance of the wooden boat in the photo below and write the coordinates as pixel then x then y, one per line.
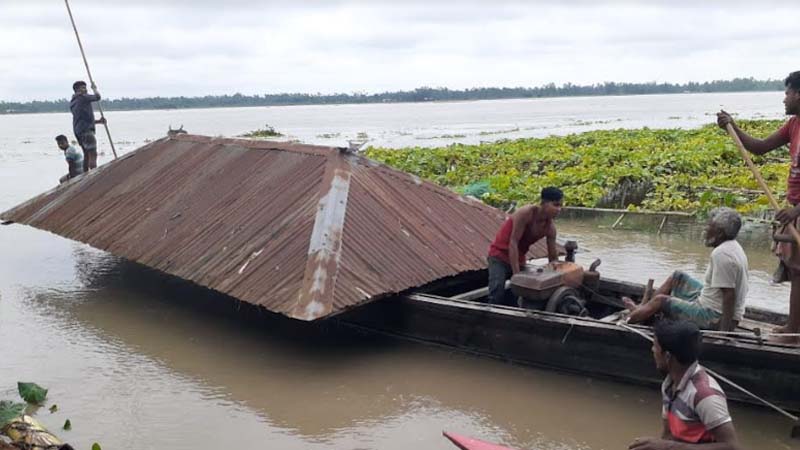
pixel 454 313
pixel 468 443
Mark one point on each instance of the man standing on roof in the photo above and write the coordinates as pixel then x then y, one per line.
pixel 789 134
pixel 73 157
pixel 719 302
pixel 523 228
pixel 694 408
pixel 83 122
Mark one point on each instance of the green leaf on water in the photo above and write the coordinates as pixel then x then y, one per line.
pixel 32 392
pixel 96 446
pixel 10 411
pixel 67 425
pixel 53 409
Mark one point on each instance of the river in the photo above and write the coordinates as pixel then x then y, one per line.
pixel 134 366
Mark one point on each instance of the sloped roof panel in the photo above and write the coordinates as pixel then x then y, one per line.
pixel 301 230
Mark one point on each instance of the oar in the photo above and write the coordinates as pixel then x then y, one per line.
pixel 759 178
pixel 795 428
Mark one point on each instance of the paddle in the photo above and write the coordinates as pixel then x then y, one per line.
pixel 759 178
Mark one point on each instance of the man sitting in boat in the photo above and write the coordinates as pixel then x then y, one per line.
pixel 522 229
pixel 720 301
pixel 695 409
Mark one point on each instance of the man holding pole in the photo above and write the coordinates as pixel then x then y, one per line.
pixel 83 122
pixel 789 133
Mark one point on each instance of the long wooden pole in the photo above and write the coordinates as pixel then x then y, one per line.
pixel 91 80
pixel 759 178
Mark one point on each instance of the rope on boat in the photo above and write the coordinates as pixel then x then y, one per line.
pixel 89 73
pixel 716 375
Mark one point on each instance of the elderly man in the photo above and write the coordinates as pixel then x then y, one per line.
pixel 720 301
pixel 695 411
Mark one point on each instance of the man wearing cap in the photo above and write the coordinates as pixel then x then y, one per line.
pixel 522 229
pixel 694 408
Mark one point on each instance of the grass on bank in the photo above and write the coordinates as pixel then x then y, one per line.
pixel 653 169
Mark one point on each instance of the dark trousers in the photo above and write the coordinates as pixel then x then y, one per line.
pixel 499 272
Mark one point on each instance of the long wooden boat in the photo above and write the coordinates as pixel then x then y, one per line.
pixel 454 313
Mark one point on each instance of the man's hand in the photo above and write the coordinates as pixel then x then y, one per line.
pixel 651 443
pixel 101 120
pixel 787 215
pixel 723 119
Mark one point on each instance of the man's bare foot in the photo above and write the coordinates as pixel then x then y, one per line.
pixel 629 304
pixel 792 340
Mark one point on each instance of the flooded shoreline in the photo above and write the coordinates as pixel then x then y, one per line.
pixel 134 363
pixel 128 356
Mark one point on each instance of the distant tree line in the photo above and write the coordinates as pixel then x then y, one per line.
pixel 423 94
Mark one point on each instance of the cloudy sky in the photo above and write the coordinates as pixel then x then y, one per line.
pixel 183 47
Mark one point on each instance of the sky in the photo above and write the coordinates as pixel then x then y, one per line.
pixel 201 47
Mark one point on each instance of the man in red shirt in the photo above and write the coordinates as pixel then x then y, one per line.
pixel 789 134
pixel 521 230
pixel 694 409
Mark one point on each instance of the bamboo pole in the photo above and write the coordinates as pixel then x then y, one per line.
pixel 91 80
pixel 621 216
pixel 759 178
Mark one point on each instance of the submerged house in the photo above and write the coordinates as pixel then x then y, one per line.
pixel 304 231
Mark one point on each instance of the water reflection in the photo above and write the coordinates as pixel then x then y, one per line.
pixel 162 367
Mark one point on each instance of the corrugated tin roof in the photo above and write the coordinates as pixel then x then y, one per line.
pixel 305 231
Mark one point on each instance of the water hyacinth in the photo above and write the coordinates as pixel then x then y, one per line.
pixel 675 170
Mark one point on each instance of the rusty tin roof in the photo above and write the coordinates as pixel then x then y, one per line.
pixel 305 231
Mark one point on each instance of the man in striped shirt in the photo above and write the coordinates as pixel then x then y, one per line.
pixel 695 410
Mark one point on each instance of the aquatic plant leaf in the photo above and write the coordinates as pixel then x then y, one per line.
pixel 96 446
pixel 32 392
pixel 10 411
pixel 67 425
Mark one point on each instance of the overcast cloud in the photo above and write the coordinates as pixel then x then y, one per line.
pixel 166 48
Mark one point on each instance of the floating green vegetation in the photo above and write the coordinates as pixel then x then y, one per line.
pixel 671 169
pixel 442 136
pixel 489 133
pixel 265 132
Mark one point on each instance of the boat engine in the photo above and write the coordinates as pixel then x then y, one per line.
pixel 560 286
pixel 554 287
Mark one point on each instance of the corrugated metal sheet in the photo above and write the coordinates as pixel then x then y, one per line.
pixel 304 231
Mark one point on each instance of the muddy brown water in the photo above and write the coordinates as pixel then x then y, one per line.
pixel 133 364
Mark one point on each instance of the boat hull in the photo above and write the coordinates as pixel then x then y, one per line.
pixel 577 345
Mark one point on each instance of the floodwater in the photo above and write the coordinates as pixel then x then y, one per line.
pixel 134 365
